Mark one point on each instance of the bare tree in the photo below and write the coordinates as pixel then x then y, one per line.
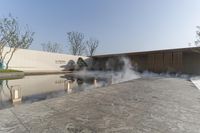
pixel 197 41
pixel 12 37
pixel 52 47
pixel 91 46
pixel 76 43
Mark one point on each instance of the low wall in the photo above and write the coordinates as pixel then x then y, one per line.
pixel 31 60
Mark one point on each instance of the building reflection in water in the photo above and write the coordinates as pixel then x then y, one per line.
pixel 35 88
pixel 68 86
pixel 95 83
pixel 16 94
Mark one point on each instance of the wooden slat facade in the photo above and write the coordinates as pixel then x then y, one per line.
pixel 151 62
pixel 177 61
pixel 185 60
pixel 169 61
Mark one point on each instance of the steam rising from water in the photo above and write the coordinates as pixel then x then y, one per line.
pixel 147 74
pixel 127 73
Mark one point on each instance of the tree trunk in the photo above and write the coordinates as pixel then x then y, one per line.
pixel 10 58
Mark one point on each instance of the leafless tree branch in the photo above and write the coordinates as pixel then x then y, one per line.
pixel 76 43
pixel 52 47
pixel 11 36
pixel 91 46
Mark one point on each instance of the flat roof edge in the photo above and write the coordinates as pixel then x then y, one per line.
pixel 147 52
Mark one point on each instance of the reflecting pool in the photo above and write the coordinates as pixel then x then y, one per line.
pixel 40 87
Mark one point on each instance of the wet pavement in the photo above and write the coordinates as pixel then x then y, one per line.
pixel 148 105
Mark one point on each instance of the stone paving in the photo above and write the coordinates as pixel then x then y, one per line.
pixel 196 81
pixel 149 105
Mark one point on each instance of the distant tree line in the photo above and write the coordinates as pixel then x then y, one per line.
pixel 197 40
pixel 52 47
pixel 76 45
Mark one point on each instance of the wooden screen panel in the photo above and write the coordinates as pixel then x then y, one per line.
pixel 150 62
pixel 168 59
pixel 177 61
pixel 158 62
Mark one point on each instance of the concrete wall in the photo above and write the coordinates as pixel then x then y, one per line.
pixel 31 60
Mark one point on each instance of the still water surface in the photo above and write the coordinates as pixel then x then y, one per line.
pixel 35 88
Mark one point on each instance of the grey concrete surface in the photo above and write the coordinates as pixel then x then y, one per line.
pixel 150 105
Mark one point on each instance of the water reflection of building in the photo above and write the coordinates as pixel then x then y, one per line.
pixel 95 83
pixel 5 93
pixel 30 87
pixel 16 93
pixel 35 88
pixel 73 85
pixel 68 86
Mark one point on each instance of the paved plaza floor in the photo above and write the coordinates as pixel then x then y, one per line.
pixel 148 105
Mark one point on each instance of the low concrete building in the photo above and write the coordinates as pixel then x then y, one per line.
pixel 183 60
pixel 32 60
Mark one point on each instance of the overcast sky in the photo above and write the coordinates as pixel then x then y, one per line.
pixel 119 25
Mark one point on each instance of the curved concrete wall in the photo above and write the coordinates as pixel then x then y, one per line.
pixel 31 60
